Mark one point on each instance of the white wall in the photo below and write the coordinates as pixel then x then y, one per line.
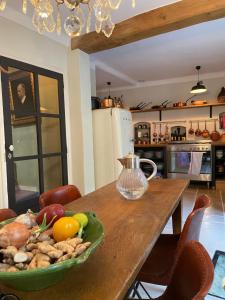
pixel 25 45
pixel 175 92
pixel 81 120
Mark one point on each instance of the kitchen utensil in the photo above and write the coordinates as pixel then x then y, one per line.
pixel 108 102
pixel 205 133
pixel 181 104
pixel 198 131
pixel 215 135
pixel 30 280
pixel 118 102
pixel 163 104
pixel 166 135
pixel 160 133
pixel 137 107
pixel 191 130
pixel 220 168
pixel 145 105
pixel 219 154
pixel 132 182
pixel 222 138
pixel 154 134
pixel 221 96
pixel 159 154
pixel 198 102
pixel 95 103
pixel 160 166
pixel 148 154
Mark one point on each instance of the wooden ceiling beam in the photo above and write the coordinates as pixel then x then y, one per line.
pixel 161 20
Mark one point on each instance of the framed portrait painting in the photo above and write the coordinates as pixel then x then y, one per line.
pixel 22 98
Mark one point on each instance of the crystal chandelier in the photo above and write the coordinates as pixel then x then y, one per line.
pixel 47 15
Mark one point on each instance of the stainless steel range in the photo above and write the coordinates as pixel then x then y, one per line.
pixel 179 159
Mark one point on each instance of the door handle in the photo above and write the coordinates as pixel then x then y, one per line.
pixel 11 148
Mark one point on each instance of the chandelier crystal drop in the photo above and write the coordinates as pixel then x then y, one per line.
pixel 82 14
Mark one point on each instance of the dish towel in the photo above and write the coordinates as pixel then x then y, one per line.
pixel 196 163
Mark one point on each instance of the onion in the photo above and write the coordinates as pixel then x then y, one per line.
pixel 14 234
pixel 28 219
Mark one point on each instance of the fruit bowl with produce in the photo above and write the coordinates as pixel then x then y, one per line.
pixel 37 250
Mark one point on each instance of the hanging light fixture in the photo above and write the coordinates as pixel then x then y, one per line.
pixel 199 88
pixel 46 20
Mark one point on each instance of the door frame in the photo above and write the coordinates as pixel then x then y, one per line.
pixel 8 135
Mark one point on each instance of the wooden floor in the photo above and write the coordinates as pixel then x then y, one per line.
pixel 212 234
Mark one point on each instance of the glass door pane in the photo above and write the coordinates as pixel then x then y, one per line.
pixel 50 132
pixel 48 93
pixel 26 174
pixel 25 138
pixel 52 172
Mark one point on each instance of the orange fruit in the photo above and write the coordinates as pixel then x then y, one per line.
pixel 64 228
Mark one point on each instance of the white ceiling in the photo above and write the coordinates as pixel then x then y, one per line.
pixel 170 55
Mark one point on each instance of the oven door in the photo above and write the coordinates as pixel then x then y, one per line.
pixel 178 164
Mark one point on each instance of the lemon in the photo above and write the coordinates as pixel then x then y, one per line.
pixel 82 219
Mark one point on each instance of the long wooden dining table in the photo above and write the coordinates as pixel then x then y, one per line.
pixel 131 229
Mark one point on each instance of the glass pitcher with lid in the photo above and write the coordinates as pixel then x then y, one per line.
pixel 132 182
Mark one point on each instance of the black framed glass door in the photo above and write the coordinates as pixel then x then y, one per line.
pixel 35 136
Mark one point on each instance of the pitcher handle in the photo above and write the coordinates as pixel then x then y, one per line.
pixel 151 163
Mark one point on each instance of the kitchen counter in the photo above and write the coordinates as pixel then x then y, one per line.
pixel 218 144
pixel 150 145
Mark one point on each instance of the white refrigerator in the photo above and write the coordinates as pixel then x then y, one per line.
pixel 112 139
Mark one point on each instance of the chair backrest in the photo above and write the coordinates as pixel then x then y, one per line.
pixel 7 213
pixel 193 274
pixel 61 195
pixel 192 226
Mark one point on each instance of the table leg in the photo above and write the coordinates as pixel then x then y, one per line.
pixel 177 218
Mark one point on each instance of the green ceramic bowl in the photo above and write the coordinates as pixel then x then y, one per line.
pixel 33 280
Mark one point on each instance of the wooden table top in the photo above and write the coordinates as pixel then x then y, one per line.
pixel 131 230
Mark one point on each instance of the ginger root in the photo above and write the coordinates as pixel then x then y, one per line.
pixel 40 260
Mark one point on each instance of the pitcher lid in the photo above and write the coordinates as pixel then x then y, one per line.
pixel 130 161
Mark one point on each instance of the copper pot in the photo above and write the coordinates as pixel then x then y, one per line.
pixel 191 130
pixel 215 135
pixel 179 104
pixel 198 131
pixel 107 103
pixel 205 132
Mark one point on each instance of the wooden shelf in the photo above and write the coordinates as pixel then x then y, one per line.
pixel 177 108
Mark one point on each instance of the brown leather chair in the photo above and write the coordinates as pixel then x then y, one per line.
pixel 7 213
pixel 62 195
pixel 159 265
pixel 192 276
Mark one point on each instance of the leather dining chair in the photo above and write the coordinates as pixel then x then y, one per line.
pixel 160 263
pixel 192 276
pixel 7 213
pixel 61 195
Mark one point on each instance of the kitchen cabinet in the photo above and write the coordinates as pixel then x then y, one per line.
pixel 218 153
pixel 156 153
